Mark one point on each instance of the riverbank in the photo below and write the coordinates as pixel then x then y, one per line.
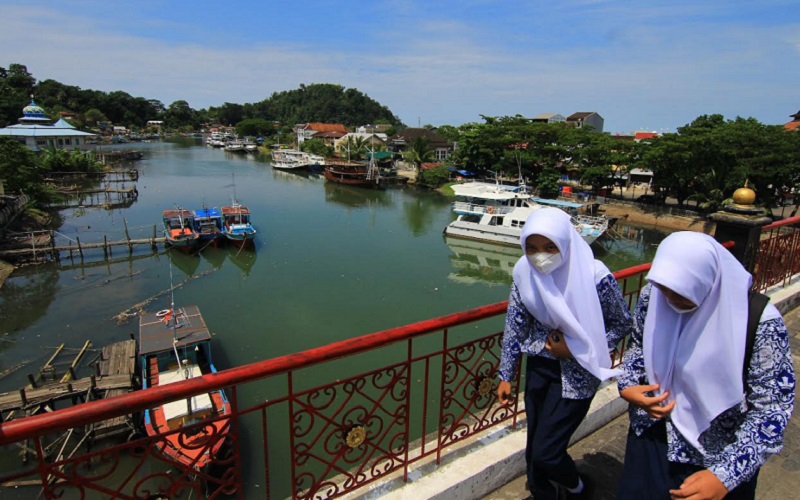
pixel 656 218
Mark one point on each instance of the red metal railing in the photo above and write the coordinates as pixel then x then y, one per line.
pixel 398 397
pixel 777 259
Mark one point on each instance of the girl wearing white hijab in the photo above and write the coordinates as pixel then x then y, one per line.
pixel 698 431
pixel 566 313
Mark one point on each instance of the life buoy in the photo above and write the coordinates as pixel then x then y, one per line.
pixel 490 210
pixel 162 313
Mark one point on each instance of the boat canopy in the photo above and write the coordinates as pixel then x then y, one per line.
pixel 488 191
pixel 157 330
pixel 558 203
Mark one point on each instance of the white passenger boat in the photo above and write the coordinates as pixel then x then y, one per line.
pixel 290 159
pixel 496 213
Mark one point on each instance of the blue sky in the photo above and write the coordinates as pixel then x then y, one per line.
pixel 640 65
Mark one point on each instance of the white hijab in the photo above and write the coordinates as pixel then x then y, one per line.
pixel 566 299
pixel 697 355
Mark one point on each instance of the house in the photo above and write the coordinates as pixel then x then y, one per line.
pixel 586 119
pixel 401 141
pixel 36 131
pixel 369 128
pixel 548 118
pixel 305 131
pixel 642 136
pixel 370 139
pixel 794 124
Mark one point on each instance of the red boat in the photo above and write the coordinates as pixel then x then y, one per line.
pixel 175 345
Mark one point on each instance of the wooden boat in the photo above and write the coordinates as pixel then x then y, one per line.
pixel 208 224
pixel 179 228
pixel 352 173
pixel 175 345
pixel 236 224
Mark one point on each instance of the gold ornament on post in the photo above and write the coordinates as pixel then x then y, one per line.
pixel 744 196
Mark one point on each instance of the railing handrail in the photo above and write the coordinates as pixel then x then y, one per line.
pixel 782 222
pixel 125 404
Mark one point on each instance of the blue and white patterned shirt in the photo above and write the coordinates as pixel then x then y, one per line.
pixel 525 334
pixel 740 439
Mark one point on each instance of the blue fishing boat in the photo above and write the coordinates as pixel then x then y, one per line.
pixel 236 224
pixel 208 224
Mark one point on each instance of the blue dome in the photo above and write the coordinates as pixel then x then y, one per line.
pixel 33 111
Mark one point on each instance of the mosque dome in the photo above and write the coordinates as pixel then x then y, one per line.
pixel 33 111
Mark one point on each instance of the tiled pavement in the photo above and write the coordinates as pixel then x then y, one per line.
pixel 600 454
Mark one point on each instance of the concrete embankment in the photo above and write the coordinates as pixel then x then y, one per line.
pixel 666 217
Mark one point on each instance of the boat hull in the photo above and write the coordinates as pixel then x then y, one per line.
pixel 498 234
pixel 351 177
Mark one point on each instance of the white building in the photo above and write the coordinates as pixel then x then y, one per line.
pixel 36 131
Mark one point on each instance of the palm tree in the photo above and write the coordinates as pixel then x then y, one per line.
pixel 419 152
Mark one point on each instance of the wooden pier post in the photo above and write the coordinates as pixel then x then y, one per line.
pixel 127 236
pixel 32 380
pixel 80 250
pixel 105 246
pixel 23 398
pixel 53 246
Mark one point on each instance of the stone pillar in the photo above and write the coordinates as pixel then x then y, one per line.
pixel 741 222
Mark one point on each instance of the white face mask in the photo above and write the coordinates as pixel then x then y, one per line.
pixel 679 310
pixel 544 262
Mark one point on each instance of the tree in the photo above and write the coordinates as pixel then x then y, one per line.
pixel 419 152
pixel 254 127
pixel 434 177
pixel 21 171
pixel 180 114
pixel 547 183
pixel 317 147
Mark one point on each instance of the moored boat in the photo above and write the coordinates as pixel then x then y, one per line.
pixel 294 159
pixel 352 173
pixel 179 228
pixel 208 224
pixel 496 213
pixel 236 223
pixel 175 345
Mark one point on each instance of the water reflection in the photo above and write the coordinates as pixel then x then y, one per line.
pixel 26 297
pixel 354 197
pixel 628 244
pixel 185 262
pixel 476 262
pixel 297 176
pixel 215 256
pixel 243 258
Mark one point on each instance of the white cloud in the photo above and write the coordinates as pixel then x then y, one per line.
pixel 639 68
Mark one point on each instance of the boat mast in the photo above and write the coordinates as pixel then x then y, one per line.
pixel 173 318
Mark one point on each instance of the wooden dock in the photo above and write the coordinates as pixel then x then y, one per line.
pixel 114 374
pixel 41 246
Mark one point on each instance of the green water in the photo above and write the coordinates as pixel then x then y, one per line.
pixel 330 262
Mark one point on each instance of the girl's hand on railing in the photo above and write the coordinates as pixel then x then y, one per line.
pixel 503 392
